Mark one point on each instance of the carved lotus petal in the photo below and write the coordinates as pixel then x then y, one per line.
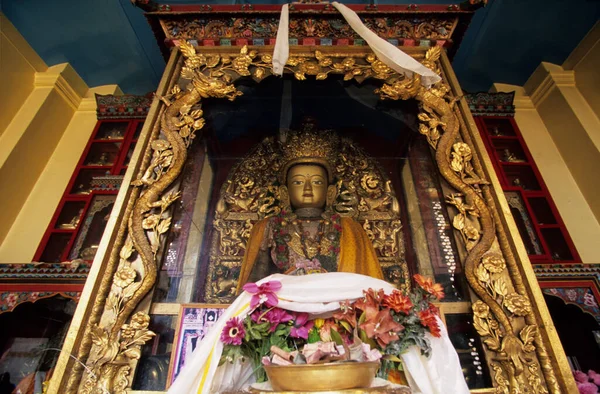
pixel 124 276
pixel 310 68
pixel 150 222
pixel 127 332
pixel 480 309
pixel 380 68
pixel 140 321
pixel 462 149
pixel 517 304
pixel 160 145
pixel 494 263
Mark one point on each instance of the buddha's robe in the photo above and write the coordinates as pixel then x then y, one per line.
pixel 356 251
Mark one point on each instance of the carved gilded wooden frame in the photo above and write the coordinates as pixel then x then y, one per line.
pixel 111 322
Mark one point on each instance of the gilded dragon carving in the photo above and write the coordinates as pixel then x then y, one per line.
pixel 498 314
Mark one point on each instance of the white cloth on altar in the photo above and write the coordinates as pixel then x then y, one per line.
pixel 388 53
pixel 315 294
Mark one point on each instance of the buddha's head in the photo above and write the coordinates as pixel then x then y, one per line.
pixel 307 186
pixel 307 170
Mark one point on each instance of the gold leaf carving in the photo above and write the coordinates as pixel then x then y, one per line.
pixel 459 222
pixel 517 304
pixel 500 287
pixel 482 274
pixel 213 77
pixel 494 263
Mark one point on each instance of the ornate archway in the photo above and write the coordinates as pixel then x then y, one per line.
pixel 517 345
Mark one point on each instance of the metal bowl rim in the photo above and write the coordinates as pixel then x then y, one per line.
pixel 365 363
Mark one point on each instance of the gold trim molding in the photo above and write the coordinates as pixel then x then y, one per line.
pixel 111 323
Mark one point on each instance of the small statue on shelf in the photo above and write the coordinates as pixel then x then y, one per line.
pixel 495 131
pixel 82 189
pixel 510 157
pixel 114 134
pixel 517 182
pixel 72 224
pixel 102 160
pixel 556 256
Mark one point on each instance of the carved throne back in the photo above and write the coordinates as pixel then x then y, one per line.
pixel 250 194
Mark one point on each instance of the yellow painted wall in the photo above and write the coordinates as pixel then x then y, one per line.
pixel 53 113
pixel 18 65
pixel 558 113
pixel 584 61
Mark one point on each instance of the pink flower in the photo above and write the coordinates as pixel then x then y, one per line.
pixel 596 379
pixel 276 316
pixel 592 373
pixel 273 316
pixel 233 332
pixel 580 376
pixel 263 294
pixel 301 326
pixel 587 388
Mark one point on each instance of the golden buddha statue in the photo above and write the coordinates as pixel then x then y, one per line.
pixel 306 236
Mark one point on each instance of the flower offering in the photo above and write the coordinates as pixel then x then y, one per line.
pixel 376 327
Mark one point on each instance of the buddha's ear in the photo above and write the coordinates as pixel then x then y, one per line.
pixel 332 192
pixel 284 198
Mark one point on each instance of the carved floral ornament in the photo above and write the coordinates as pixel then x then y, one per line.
pixel 502 311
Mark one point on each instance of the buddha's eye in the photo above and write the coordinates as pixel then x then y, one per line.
pixel 318 182
pixel 297 183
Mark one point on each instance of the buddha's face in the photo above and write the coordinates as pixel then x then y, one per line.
pixel 307 186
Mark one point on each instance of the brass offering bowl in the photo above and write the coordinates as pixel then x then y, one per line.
pixel 322 377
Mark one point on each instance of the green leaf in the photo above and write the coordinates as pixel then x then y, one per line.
pixel 346 325
pixel 362 318
pixel 313 335
pixel 282 330
pixel 392 357
pixel 336 337
pixel 363 337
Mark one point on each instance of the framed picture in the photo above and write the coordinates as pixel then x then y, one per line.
pixel 194 322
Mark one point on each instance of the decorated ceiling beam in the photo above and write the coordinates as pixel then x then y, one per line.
pixel 311 24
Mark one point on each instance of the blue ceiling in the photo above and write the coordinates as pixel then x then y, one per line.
pixel 110 42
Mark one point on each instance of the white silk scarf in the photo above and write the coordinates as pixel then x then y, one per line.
pixel 316 294
pixel 389 54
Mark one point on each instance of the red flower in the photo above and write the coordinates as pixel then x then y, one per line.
pixel 429 320
pixel 347 313
pixel 281 248
pixel 435 289
pixel 382 327
pixel 370 303
pixel 398 302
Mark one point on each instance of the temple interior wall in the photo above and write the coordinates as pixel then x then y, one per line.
pixel 46 118
pixel 558 113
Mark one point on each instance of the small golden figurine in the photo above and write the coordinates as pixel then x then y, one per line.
pixel 114 134
pixel 510 157
pixel 82 189
pixel 73 223
pixel 495 131
pixel 517 182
